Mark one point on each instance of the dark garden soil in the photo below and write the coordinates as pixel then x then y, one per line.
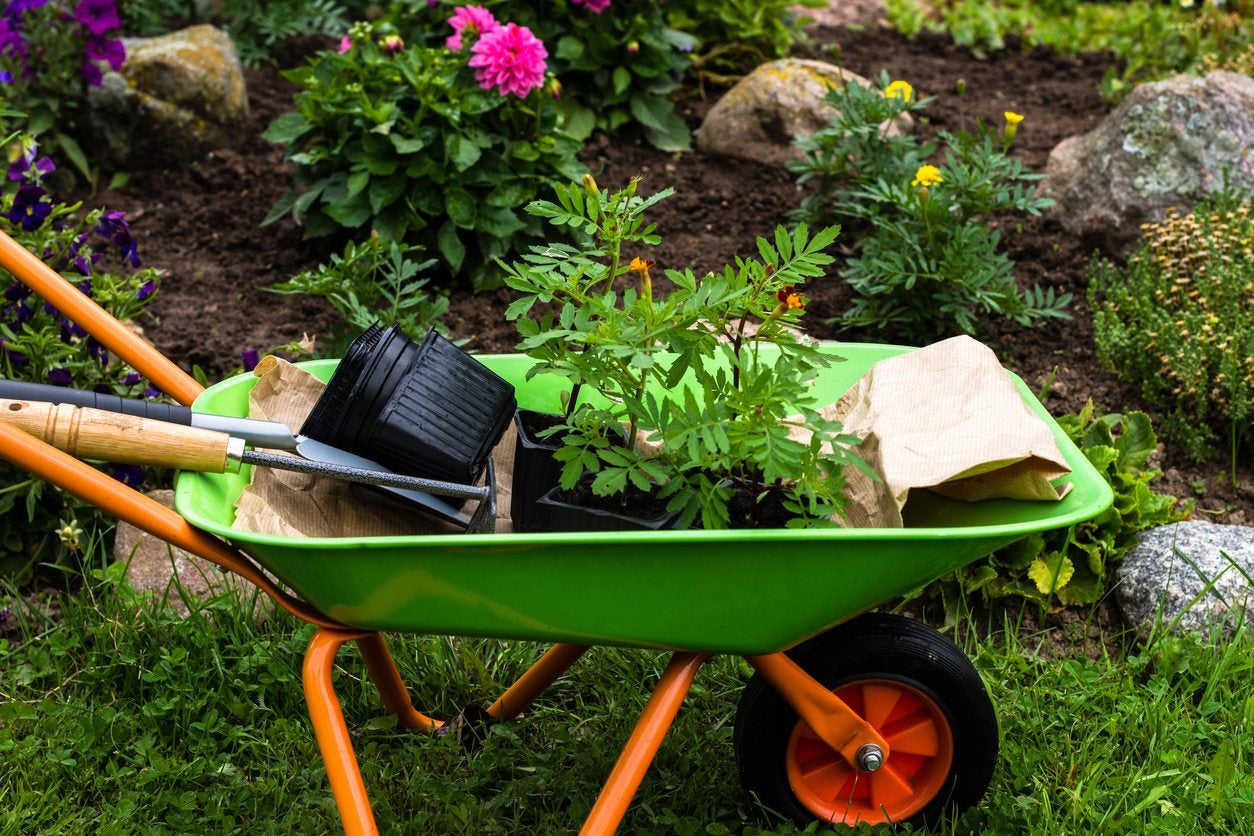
pixel 201 224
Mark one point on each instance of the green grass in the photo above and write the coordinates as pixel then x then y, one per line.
pixel 115 718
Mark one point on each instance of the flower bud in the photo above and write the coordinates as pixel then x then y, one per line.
pixel 633 47
pixel 590 185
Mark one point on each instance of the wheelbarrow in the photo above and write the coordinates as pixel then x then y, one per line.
pixel 850 717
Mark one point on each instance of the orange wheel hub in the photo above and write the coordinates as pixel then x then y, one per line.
pixel 920 756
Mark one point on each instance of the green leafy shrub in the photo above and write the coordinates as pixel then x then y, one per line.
pixel 1149 39
pixel 617 61
pixel 928 263
pixel 95 251
pixel 731 429
pixel 50 54
pixel 404 141
pixel 369 283
pixel 1072 565
pixel 1179 321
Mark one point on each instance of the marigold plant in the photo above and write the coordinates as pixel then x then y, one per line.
pixel 927 264
pixel 1179 321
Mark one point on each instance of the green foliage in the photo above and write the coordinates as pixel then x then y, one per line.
pixel 406 144
pixel 1149 39
pixel 928 263
pixel 713 399
pixel 616 69
pixel 1179 321
pixel 1073 565
pixel 92 250
pixel 260 31
pixel 370 283
pixel 734 36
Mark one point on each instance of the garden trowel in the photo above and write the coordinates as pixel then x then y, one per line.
pixel 130 431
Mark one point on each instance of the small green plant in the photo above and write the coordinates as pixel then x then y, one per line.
pixel 744 387
pixel 928 263
pixel 1072 565
pixel 1179 321
pixel 425 145
pixel 373 282
pixel 96 252
pixel 734 36
pixel 50 54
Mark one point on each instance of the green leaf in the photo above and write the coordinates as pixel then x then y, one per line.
pixel 350 212
pixel 461 152
pixel 460 207
pixel 451 247
pixel 622 80
pixel 286 128
pixel 74 153
pixel 383 192
pixel 665 130
pixel 406 144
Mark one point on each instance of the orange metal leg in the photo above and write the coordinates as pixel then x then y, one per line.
pixel 555 662
pixel 832 720
pixel 611 805
pixel 391 688
pixel 334 743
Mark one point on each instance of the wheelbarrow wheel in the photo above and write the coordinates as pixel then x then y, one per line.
pixel 915 687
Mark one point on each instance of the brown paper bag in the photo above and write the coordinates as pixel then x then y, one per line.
pixel 947 418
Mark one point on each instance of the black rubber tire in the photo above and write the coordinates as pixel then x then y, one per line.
pixel 874 646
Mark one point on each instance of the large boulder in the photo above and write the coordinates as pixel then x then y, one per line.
pixel 1167 145
pixel 1192 575
pixel 177 97
pixel 760 116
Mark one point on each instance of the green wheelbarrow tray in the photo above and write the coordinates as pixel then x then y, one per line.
pixel 742 592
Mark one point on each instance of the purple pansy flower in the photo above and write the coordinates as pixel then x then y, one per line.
pixel 131 475
pixel 250 359
pixel 29 208
pixel 23 165
pixel 60 377
pixel 145 290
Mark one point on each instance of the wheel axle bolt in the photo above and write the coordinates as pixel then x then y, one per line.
pixel 869 757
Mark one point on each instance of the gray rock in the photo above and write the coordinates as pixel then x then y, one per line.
pixel 1167 145
pixel 179 579
pixel 1195 571
pixel 760 116
pixel 177 97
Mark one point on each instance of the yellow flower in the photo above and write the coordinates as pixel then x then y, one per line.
pixel 1012 124
pixel 927 175
pixel 899 90
pixel 641 265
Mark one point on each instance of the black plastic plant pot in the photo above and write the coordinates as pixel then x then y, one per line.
pixel 428 410
pixel 578 516
pixel 535 470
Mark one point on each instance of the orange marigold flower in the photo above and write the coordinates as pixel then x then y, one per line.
pixel 790 299
pixel 641 265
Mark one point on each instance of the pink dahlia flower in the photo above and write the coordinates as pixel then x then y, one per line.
pixel 594 6
pixel 509 58
pixel 469 20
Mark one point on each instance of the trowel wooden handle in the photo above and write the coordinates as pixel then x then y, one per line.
pixel 127 439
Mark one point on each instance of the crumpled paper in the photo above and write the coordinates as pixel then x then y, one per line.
pixel 287 503
pixel 947 418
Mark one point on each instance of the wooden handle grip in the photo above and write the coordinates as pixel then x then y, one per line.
pixel 127 439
